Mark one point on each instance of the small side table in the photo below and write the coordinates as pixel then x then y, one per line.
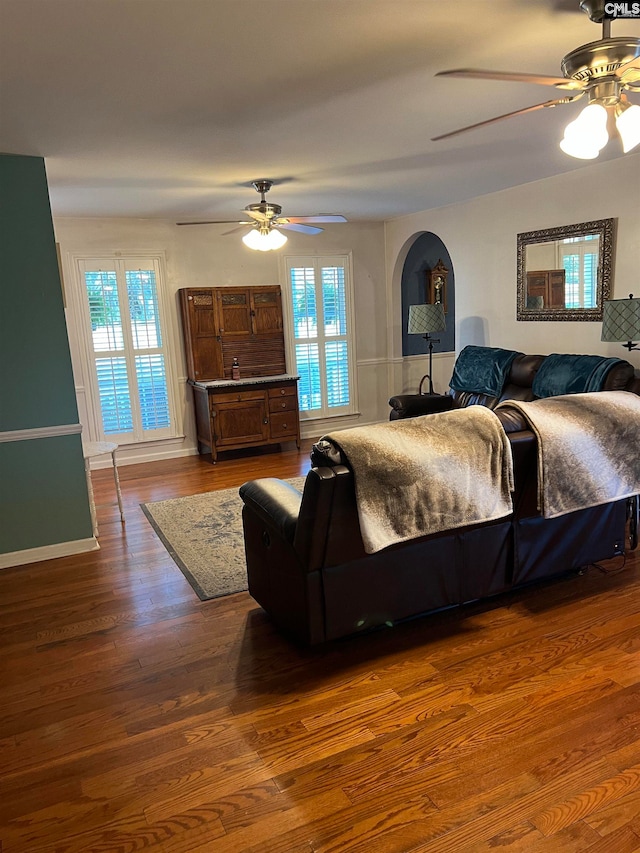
pixel 100 448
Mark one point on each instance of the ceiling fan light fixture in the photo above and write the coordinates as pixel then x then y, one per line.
pixel 587 135
pixel 628 124
pixel 276 239
pixel 264 240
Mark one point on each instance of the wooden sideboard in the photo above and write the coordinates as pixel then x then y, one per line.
pixel 232 414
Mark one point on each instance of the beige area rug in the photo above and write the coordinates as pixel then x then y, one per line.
pixel 203 534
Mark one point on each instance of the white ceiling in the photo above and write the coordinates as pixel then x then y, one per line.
pixel 170 108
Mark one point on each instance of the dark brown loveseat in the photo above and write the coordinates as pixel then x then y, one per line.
pixel 308 568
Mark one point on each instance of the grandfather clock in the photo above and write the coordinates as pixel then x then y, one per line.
pixel 437 285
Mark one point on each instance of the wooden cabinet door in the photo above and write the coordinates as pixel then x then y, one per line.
pixel 266 310
pixel 236 423
pixel 536 289
pixel 234 312
pixel 203 349
pixel 556 288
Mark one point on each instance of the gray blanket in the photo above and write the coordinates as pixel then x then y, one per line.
pixel 588 448
pixel 424 475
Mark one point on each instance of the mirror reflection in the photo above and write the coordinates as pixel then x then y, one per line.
pixel 564 273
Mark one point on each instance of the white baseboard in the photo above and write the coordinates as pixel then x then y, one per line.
pixel 48 552
pixel 132 455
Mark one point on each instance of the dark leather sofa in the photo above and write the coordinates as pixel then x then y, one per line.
pixel 519 384
pixel 308 569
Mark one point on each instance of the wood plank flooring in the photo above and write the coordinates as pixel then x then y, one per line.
pixel 135 717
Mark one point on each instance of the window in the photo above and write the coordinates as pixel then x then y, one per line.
pixel 579 259
pixel 129 355
pixel 320 303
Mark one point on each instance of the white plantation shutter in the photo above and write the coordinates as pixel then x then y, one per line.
pixel 320 299
pixel 129 356
pixel 579 259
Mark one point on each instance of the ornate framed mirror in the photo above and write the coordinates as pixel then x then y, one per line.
pixel 565 273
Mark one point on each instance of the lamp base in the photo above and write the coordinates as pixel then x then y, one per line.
pixel 432 341
pixel 430 392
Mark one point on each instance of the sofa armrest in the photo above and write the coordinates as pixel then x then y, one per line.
pixel 414 405
pixel 276 502
pixel 512 419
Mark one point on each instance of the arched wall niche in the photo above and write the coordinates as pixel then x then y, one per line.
pixel 422 255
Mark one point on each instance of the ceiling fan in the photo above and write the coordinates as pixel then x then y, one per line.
pixel 604 70
pixel 267 223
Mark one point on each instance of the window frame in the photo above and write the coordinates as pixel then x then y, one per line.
pixel 318 261
pixel 125 262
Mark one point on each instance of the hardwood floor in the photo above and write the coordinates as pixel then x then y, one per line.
pixel 136 717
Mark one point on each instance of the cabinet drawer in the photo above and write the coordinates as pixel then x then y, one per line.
pixel 236 396
pixel 283 404
pixel 283 424
pixel 282 391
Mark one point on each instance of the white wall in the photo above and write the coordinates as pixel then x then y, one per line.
pixel 201 256
pixel 480 236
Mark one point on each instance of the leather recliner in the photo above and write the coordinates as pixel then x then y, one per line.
pixel 307 566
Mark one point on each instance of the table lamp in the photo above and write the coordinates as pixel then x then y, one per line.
pixel 621 321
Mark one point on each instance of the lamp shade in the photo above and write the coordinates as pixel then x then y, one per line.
pixel 628 125
pixel 264 240
pixel 587 135
pixel 621 320
pixel 424 319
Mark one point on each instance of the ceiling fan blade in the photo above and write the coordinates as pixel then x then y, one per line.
pixel 217 222
pixel 303 229
pixel 320 217
pixel 513 77
pixel 241 227
pixel 507 115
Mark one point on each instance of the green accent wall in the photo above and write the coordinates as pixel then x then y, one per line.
pixel 36 383
pixel 43 492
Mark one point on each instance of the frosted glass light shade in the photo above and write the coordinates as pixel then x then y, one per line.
pixel 264 241
pixel 587 135
pixel 628 125
pixel 424 319
pixel 276 239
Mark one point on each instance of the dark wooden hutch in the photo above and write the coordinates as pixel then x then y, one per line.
pixel 221 324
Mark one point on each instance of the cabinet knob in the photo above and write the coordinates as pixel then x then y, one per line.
pixel 282 391
pixel 265 421
pixel 284 426
pixel 284 405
